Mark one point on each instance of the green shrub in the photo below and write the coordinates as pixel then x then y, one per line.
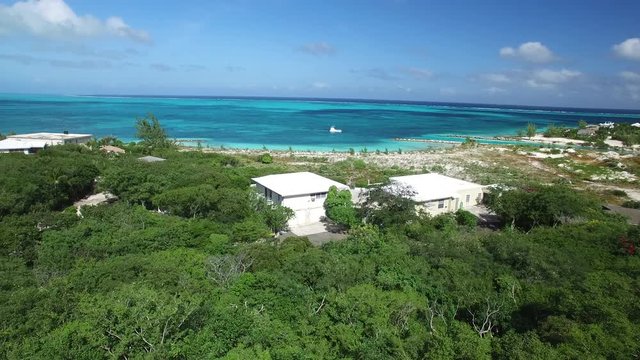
pixel 618 192
pixel 465 218
pixel 265 158
pixel 632 204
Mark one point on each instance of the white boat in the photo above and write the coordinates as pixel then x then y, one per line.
pixel 333 130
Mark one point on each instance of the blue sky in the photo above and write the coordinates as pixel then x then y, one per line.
pixel 531 52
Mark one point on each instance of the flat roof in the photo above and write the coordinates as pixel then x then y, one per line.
pixel 49 136
pixel 22 144
pixel 300 183
pixel 434 186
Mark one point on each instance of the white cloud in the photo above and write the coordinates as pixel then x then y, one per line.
pixel 549 79
pixel 539 85
pixel 629 49
pixel 375 73
pixel 318 49
pixel 59 63
pixel 630 76
pixel 320 85
pixel 418 73
pixel 404 88
pixel 555 77
pixel 529 51
pixel 495 90
pixel 496 78
pixel 55 19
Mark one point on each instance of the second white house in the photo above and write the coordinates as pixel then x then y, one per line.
pixel 438 194
pixel 302 192
pixel 31 143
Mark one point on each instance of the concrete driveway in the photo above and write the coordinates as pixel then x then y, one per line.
pixel 318 233
pixel 486 217
pixel 306 230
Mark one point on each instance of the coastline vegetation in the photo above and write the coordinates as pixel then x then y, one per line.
pixel 185 264
pixel 628 134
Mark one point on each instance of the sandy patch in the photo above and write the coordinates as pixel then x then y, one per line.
pixel 539 138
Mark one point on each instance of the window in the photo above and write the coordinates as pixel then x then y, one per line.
pixel 440 204
pixel 317 196
pixel 468 198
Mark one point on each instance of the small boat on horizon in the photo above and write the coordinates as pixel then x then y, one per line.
pixel 333 130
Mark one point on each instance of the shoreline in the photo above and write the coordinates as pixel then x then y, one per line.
pixel 503 140
pixel 497 140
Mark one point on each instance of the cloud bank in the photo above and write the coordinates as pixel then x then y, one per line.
pixel 534 52
pixel 548 79
pixel 496 78
pixel 318 49
pixel 55 19
pixel 630 76
pixel 628 49
pixel 418 73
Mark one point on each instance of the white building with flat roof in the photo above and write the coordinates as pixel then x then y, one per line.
pixel 30 143
pixel 302 192
pixel 437 194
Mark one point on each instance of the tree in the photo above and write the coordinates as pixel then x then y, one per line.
pixel 465 218
pixel 541 206
pixel 192 201
pixel 224 269
pixel 339 207
pixel 390 205
pixel 531 130
pixel 251 229
pixel 151 134
pixel 136 320
pixel 276 217
pixel 265 158
pixel 469 142
pixel 554 131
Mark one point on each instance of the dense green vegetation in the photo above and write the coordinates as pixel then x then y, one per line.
pixel 629 135
pixel 203 278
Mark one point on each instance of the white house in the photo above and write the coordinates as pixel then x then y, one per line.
pixel 30 143
pixel 302 192
pixel 438 194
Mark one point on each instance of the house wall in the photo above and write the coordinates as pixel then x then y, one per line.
pixel 268 194
pixel 24 151
pixel 78 140
pixel 460 201
pixel 308 209
pixel 474 195
pixel 432 208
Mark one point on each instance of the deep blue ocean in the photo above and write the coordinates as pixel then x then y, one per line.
pixel 302 124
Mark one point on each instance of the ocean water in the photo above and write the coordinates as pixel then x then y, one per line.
pixel 300 124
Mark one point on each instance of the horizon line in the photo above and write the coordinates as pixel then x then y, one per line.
pixel 336 99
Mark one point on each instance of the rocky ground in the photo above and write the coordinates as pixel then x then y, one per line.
pixel 602 172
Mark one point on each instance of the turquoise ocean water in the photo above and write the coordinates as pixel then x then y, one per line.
pixel 302 124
